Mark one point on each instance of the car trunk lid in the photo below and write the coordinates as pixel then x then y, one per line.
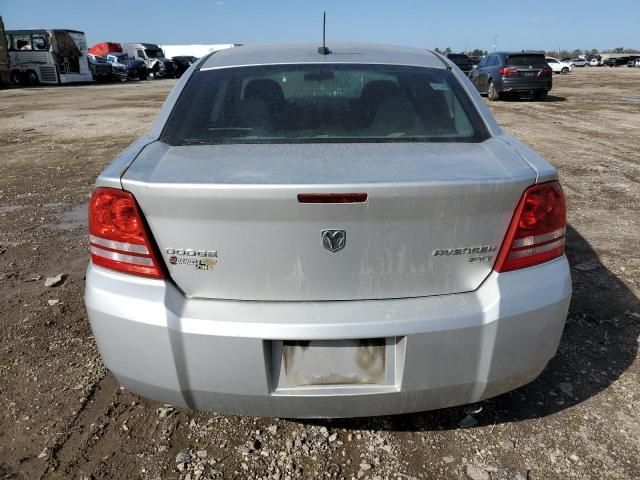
pixel 229 224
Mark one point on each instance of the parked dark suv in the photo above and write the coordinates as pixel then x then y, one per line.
pixel 182 62
pixel 462 61
pixel 503 73
pixel 616 61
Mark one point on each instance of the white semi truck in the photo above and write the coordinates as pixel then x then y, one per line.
pixel 153 56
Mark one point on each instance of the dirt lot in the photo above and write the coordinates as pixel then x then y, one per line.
pixel 63 416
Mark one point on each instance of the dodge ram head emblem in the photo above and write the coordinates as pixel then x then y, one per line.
pixel 333 240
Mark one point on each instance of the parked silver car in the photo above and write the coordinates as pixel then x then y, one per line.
pixel 579 62
pixel 311 235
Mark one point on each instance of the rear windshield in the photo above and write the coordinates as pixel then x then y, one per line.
pixel 323 103
pixel 527 60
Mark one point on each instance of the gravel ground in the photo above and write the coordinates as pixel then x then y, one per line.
pixel 65 417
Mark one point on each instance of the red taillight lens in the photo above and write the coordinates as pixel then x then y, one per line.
pixel 118 235
pixel 537 231
pixel 546 72
pixel 507 71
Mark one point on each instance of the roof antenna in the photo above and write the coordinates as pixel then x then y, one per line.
pixel 323 50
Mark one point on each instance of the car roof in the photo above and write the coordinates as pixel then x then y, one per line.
pixel 308 53
pixel 521 52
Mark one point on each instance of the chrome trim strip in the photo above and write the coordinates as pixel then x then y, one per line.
pixel 122 246
pixel 119 257
pixel 527 252
pixel 535 239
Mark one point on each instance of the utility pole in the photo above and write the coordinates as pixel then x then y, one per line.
pixel 495 42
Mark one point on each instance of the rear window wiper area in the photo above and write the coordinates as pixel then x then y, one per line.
pixel 230 129
pixel 194 141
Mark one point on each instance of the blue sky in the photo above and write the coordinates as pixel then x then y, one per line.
pixel 549 25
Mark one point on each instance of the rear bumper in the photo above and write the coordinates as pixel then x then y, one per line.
pixel 137 72
pixel 119 74
pixel 220 355
pixel 526 85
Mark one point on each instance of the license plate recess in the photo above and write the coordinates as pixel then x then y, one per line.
pixel 320 363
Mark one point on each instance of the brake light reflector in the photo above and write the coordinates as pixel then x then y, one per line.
pixel 537 231
pixel 359 197
pixel 118 235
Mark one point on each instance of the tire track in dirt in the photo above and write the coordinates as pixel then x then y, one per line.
pixel 70 446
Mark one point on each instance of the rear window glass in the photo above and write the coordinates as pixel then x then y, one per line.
pixel 323 103
pixel 526 60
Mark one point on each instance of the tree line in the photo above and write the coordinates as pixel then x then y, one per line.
pixel 477 52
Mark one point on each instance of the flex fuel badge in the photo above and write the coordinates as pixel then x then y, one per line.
pixel 199 259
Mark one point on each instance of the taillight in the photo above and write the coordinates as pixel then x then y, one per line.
pixel 507 71
pixel 537 231
pixel 546 71
pixel 119 237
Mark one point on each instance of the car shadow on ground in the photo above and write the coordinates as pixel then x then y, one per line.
pixel 524 98
pixel 599 343
pixel 555 98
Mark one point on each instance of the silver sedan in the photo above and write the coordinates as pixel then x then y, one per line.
pixel 306 233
